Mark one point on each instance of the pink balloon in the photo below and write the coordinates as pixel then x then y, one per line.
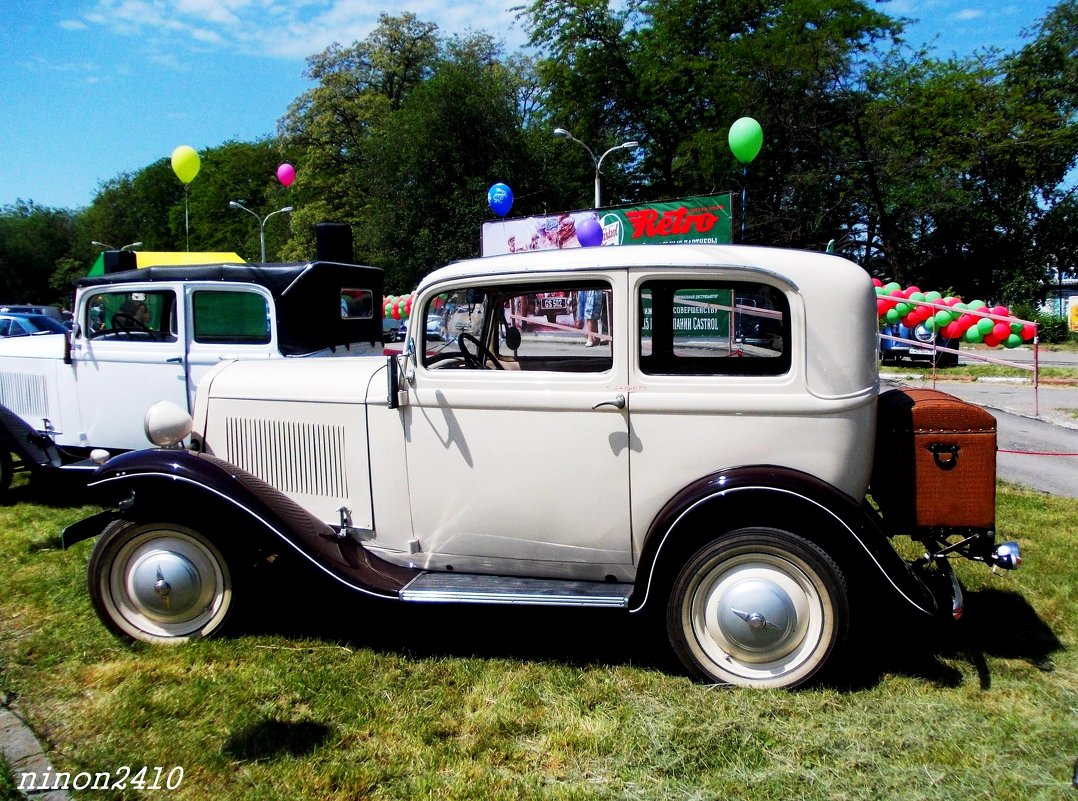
pixel 286 174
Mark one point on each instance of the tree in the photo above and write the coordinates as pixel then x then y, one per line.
pixel 435 157
pixel 328 128
pixel 32 240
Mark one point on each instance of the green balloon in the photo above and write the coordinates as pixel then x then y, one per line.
pixel 973 334
pixel 985 325
pixel 892 316
pixel 746 138
pixel 977 304
pixel 943 317
pixel 903 309
pixel 932 296
pixel 1013 341
pixel 930 323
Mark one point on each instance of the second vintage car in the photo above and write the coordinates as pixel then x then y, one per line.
pixel 718 479
pixel 140 336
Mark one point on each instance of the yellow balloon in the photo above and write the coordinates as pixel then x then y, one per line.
pixel 185 163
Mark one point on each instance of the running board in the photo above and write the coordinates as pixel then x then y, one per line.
pixel 471 588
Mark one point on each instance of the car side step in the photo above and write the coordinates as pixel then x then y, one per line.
pixel 470 588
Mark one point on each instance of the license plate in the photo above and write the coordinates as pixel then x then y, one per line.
pixel 920 351
pixel 552 303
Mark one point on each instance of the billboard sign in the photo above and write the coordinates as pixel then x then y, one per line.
pixel 694 219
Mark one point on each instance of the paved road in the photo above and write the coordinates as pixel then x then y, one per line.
pixel 1031 447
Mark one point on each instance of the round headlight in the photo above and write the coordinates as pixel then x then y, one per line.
pixel 167 424
pixel 923 334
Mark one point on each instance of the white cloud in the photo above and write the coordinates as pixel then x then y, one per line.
pixel 967 14
pixel 289 29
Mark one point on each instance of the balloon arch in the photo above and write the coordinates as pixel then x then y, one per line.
pixel 973 322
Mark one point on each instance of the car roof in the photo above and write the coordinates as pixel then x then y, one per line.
pixel 302 292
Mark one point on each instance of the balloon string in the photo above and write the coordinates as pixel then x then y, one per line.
pixel 744 201
pixel 186 219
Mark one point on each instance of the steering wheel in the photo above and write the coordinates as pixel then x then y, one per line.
pixel 473 360
pixel 128 322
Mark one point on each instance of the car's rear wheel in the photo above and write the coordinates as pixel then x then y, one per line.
pixel 159 582
pixel 760 607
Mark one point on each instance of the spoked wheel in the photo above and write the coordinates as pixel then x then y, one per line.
pixel 760 607
pixel 159 582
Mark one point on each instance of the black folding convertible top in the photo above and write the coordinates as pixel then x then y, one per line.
pixel 307 297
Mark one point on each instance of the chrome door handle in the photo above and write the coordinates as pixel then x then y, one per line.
pixel 618 402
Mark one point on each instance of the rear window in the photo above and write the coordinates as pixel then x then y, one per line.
pixel 713 328
pixel 229 317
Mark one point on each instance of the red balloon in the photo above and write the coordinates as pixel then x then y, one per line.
pixel 395 312
pixel 1001 331
pixel 1029 331
pixel 991 340
pixel 877 282
pixel 881 307
pixel 951 330
pixel 966 320
pixel 1000 311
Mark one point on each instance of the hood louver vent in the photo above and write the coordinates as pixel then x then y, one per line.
pixel 25 394
pixel 296 458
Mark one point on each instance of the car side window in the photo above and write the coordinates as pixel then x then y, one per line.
pixel 135 316
pixel 713 328
pixel 565 327
pixel 230 318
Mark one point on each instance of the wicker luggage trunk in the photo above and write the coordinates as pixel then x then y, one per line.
pixel 935 462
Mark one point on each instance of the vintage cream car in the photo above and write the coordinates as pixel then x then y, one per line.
pixel 717 480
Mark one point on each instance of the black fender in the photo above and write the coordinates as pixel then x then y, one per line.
pixel 185 487
pixel 33 448
pixel 767 495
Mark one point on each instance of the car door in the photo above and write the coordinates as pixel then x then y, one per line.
pixel 126 355
pixel 225 323
pixel 524 469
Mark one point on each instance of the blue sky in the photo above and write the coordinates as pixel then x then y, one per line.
pixel 96 88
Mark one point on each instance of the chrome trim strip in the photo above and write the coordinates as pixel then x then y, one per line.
pixel 483 589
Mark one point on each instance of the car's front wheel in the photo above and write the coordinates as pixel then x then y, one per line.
pixel 760 607
pixel 159 582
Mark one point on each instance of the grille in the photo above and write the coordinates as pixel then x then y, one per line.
pixel 295 457
pixel 24 394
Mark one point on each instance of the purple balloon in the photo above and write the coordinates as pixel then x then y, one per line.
pixel 589 233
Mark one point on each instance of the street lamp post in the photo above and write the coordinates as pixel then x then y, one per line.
pixel 561 133
pixel 110 247
pixel 261 222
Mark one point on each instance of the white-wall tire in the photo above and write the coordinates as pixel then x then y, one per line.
pixel 159 582
pixel 759 607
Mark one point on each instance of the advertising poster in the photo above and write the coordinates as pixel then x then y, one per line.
pixel 693 219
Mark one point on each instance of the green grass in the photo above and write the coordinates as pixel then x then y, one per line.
pixel 381 702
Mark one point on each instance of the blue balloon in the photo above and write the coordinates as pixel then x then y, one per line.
pixel 589 233
pixel 500 198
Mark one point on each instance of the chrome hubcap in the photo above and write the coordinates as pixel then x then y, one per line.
pixel 165 585
pixel 756 617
